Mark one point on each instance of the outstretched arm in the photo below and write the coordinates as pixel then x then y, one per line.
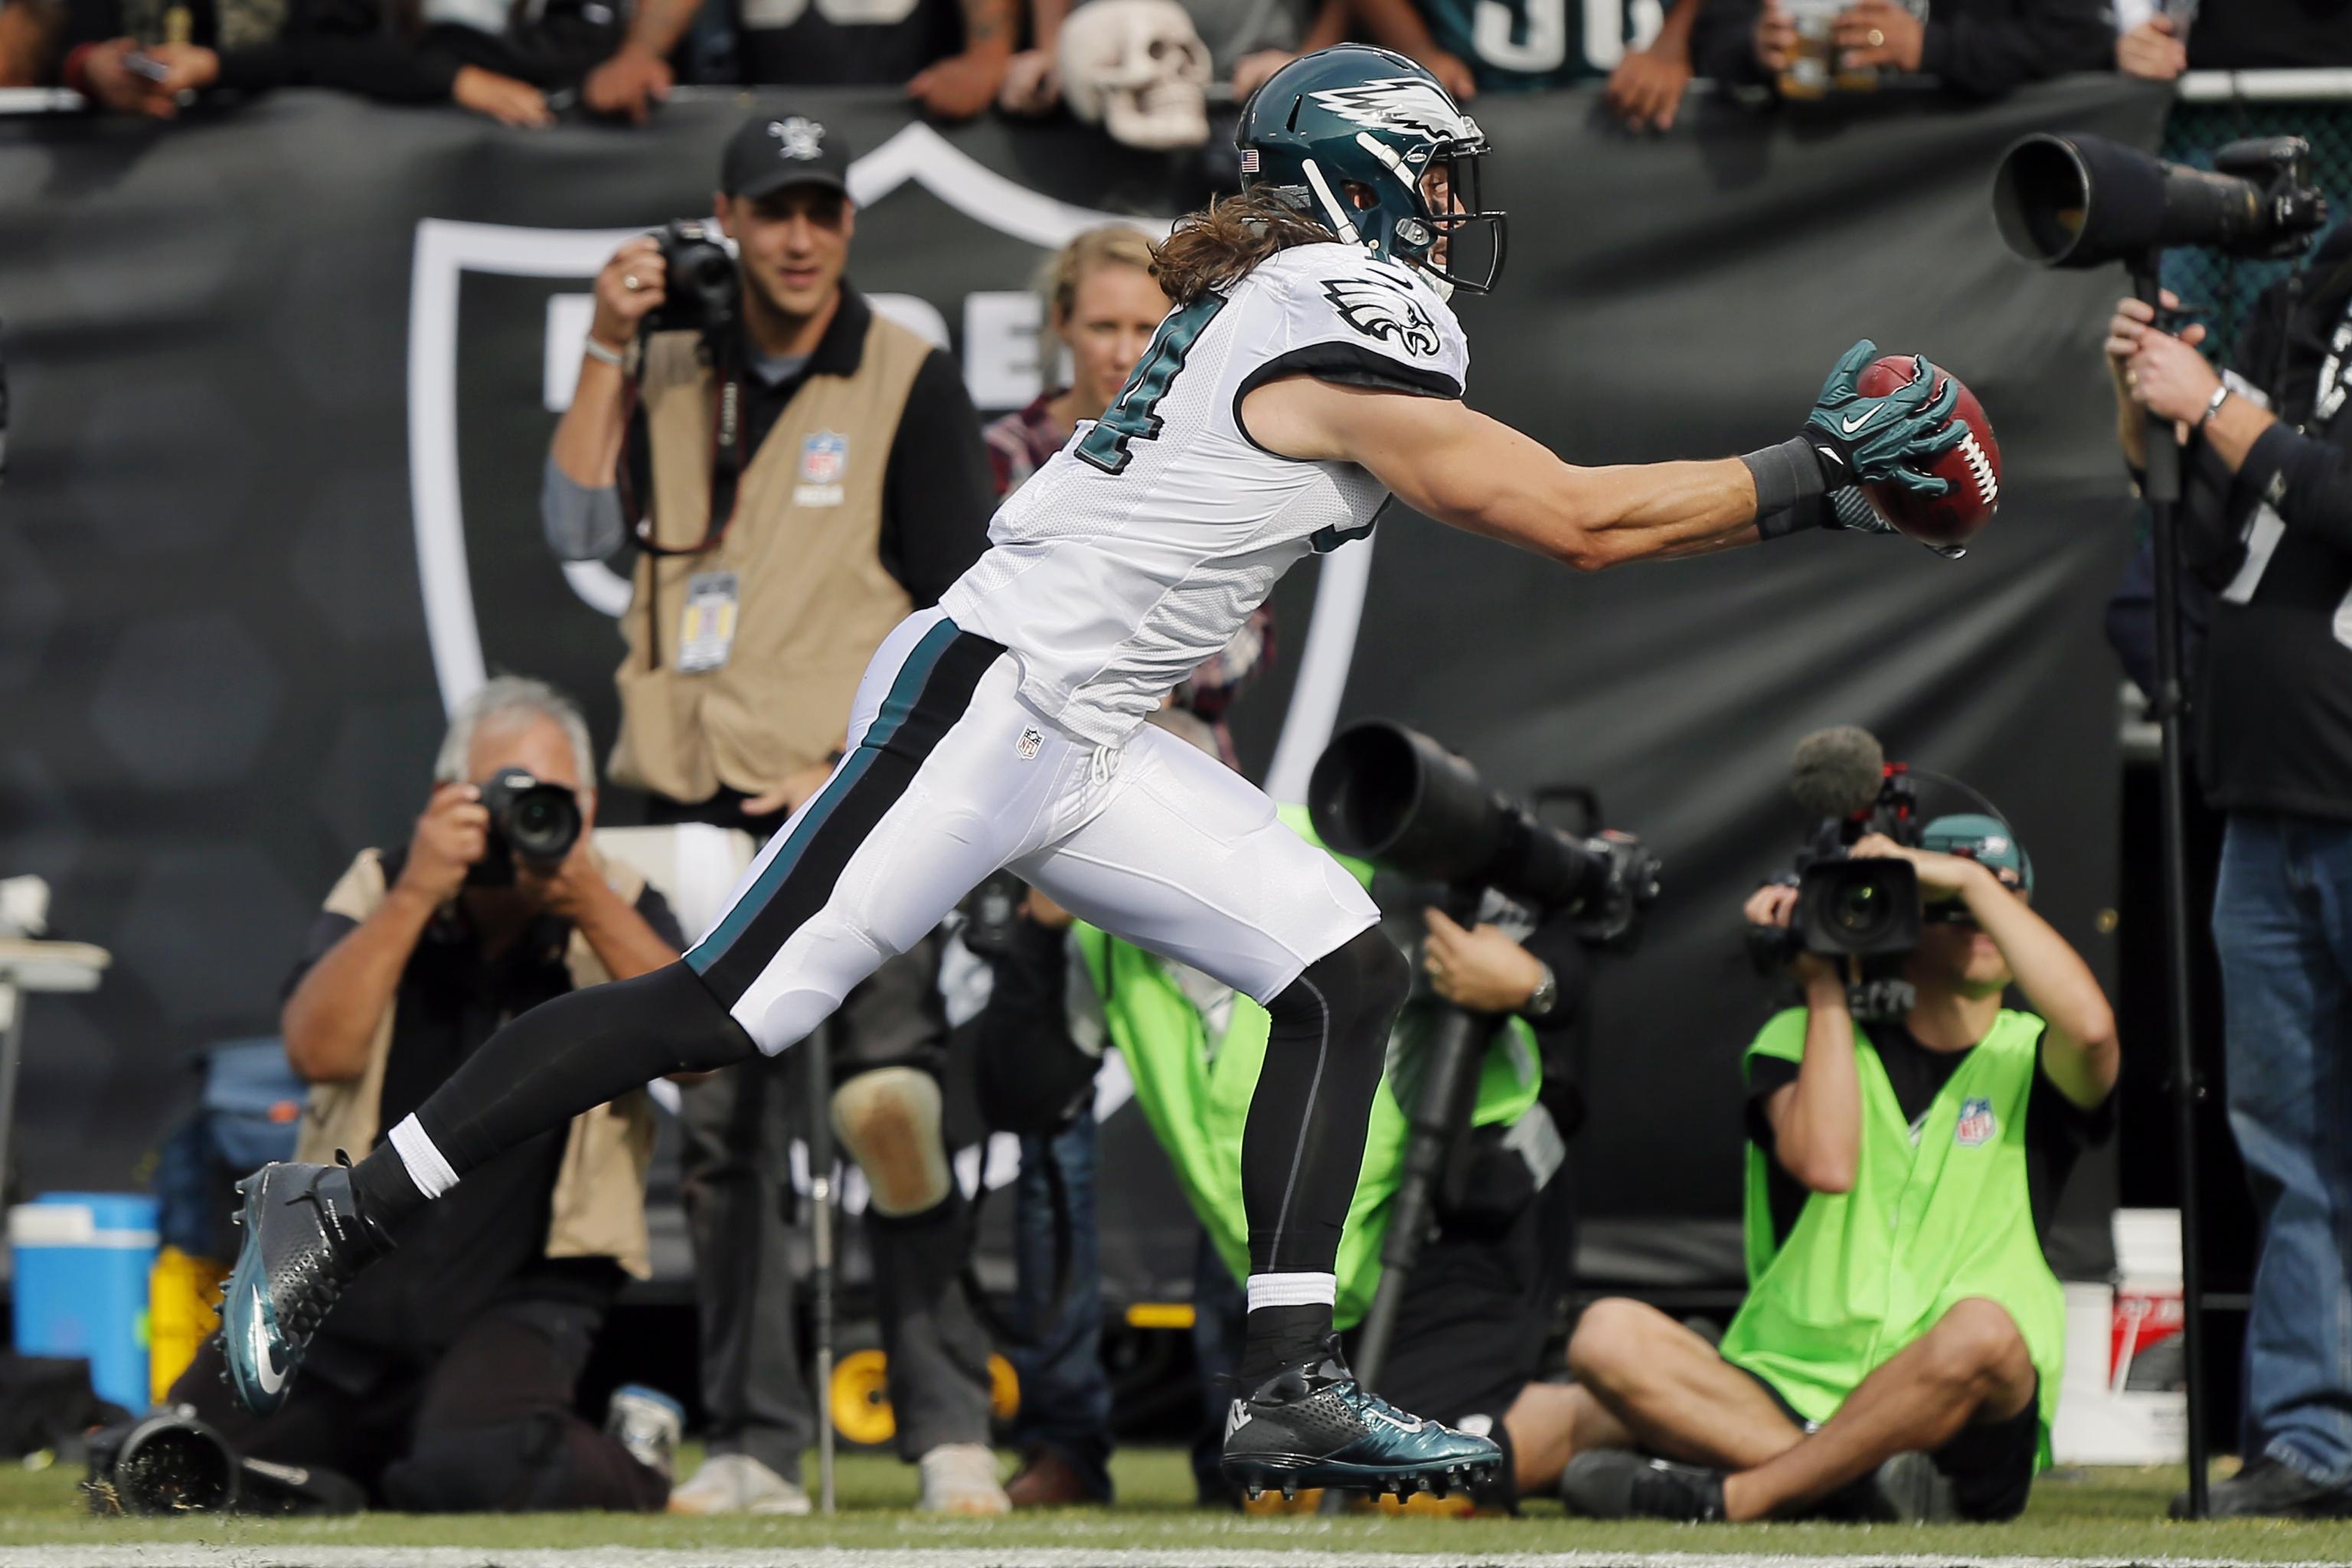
pixel 1479 475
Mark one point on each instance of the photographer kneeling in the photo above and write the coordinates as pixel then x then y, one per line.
pixel 1470 1329
pixel 1899 1351
pixel 446 1381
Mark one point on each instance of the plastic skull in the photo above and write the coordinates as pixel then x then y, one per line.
pixel 1137 68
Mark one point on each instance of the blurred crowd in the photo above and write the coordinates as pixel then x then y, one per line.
pixel 1144 71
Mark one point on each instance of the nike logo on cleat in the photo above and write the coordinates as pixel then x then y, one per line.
pixel 265 1367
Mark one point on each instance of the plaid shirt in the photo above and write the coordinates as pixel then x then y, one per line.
pixel 1018 445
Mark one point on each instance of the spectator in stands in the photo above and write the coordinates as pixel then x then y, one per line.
pixel 447 1378
pixel 1934 1348
pixel 132 56
pixel 1647 89
pixel 951 55
pixel 2148 42
pixel 2265 34
pixel 774 558
pixel 1976 48
pixel 1247 43
pixel 1543 45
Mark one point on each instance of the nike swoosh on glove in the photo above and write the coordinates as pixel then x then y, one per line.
pixel 1851 509
pixel 1877 440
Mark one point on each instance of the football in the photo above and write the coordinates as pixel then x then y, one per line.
pixel 1972 469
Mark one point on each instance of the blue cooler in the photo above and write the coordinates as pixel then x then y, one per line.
pixel 83 1260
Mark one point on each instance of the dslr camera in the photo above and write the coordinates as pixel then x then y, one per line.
pixel 702 293
pixel 531 823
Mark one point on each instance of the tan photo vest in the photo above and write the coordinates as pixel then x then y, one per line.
pixel 598 1209
pixel 815 599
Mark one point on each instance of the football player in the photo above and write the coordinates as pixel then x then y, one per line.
pixel 1310 368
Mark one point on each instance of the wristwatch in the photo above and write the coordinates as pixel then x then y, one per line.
pixel 1544 997
pixel 2213 405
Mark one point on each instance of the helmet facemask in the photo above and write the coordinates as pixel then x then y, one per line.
pixel 1428 217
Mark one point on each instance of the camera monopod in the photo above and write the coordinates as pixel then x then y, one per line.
pixel 819 1068
pixel 2080 202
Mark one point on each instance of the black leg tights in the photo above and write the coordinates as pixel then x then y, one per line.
pixel 546 1066
pixel 1302 1149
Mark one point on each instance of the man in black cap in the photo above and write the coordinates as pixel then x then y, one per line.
pixel 797 479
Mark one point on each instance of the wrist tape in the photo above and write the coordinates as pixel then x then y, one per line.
pixel 1785 476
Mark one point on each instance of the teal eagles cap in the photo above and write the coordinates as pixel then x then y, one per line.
pixel 1984 839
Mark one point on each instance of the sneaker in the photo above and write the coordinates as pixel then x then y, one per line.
pixel 1314 1426
pixel 961 1478
pixel 1910 1490
pixel 1617 1483
pixel 1047 1478
pixel 738 1483
pixel 305 1238
pixel 649 1424
pixel 2268 1490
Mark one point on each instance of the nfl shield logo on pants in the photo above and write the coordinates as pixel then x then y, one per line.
pixel 1976 1124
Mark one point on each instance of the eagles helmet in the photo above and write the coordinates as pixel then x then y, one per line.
pixel 1351 136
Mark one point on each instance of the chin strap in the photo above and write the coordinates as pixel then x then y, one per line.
pixel 1341 224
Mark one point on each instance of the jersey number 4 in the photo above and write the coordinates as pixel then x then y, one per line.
pixel 1133 415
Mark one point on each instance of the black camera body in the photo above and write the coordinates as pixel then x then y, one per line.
pixel 1394 796
pixel 702 292
pixel 531 823
pixel 1848 908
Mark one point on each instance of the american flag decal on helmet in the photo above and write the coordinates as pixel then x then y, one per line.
pixel 1249 160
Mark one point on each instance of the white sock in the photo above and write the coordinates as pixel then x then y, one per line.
pixel 1293 1290
pixel 425 1164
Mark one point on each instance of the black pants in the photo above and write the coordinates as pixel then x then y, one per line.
pixel 488 1424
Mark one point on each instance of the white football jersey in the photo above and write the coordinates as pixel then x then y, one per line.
pixel 1140 549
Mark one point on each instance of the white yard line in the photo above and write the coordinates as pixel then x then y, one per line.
pixel 294 1554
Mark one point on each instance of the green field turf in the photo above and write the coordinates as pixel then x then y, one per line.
pixel 2115 1514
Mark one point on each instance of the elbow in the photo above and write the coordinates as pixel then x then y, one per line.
pixel 1581 549
pixel 1830 1175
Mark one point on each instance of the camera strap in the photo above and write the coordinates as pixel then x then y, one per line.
pixel 726 473
pixel 726 457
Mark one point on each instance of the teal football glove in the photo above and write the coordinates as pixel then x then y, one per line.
pixel 1850 510
pixel 1874 440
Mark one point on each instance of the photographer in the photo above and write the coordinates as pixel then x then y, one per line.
pixel 1909 1371
pixel 800 474
pixel 1472 1327
pixel 447 1379
pixel 2265 520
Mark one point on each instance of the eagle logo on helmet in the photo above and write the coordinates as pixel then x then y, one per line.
pixel 1398 103
pixel 1386 311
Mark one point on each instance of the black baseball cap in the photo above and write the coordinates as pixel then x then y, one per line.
pixel 773 152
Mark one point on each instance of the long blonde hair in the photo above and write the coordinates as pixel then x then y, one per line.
pixel 1112 245
pixel 1219 246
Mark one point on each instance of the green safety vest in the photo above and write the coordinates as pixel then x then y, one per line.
pixel 1863 1273
pixel 1195 1093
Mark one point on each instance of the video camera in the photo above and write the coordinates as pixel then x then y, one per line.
pixel 1394 796
pixel 1846 907
pixel 533 822
pixel 702 292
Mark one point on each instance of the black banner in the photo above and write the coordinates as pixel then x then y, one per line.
pixel 284 381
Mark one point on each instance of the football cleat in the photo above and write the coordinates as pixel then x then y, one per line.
pixel 1314 1426
pixel 305 1238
